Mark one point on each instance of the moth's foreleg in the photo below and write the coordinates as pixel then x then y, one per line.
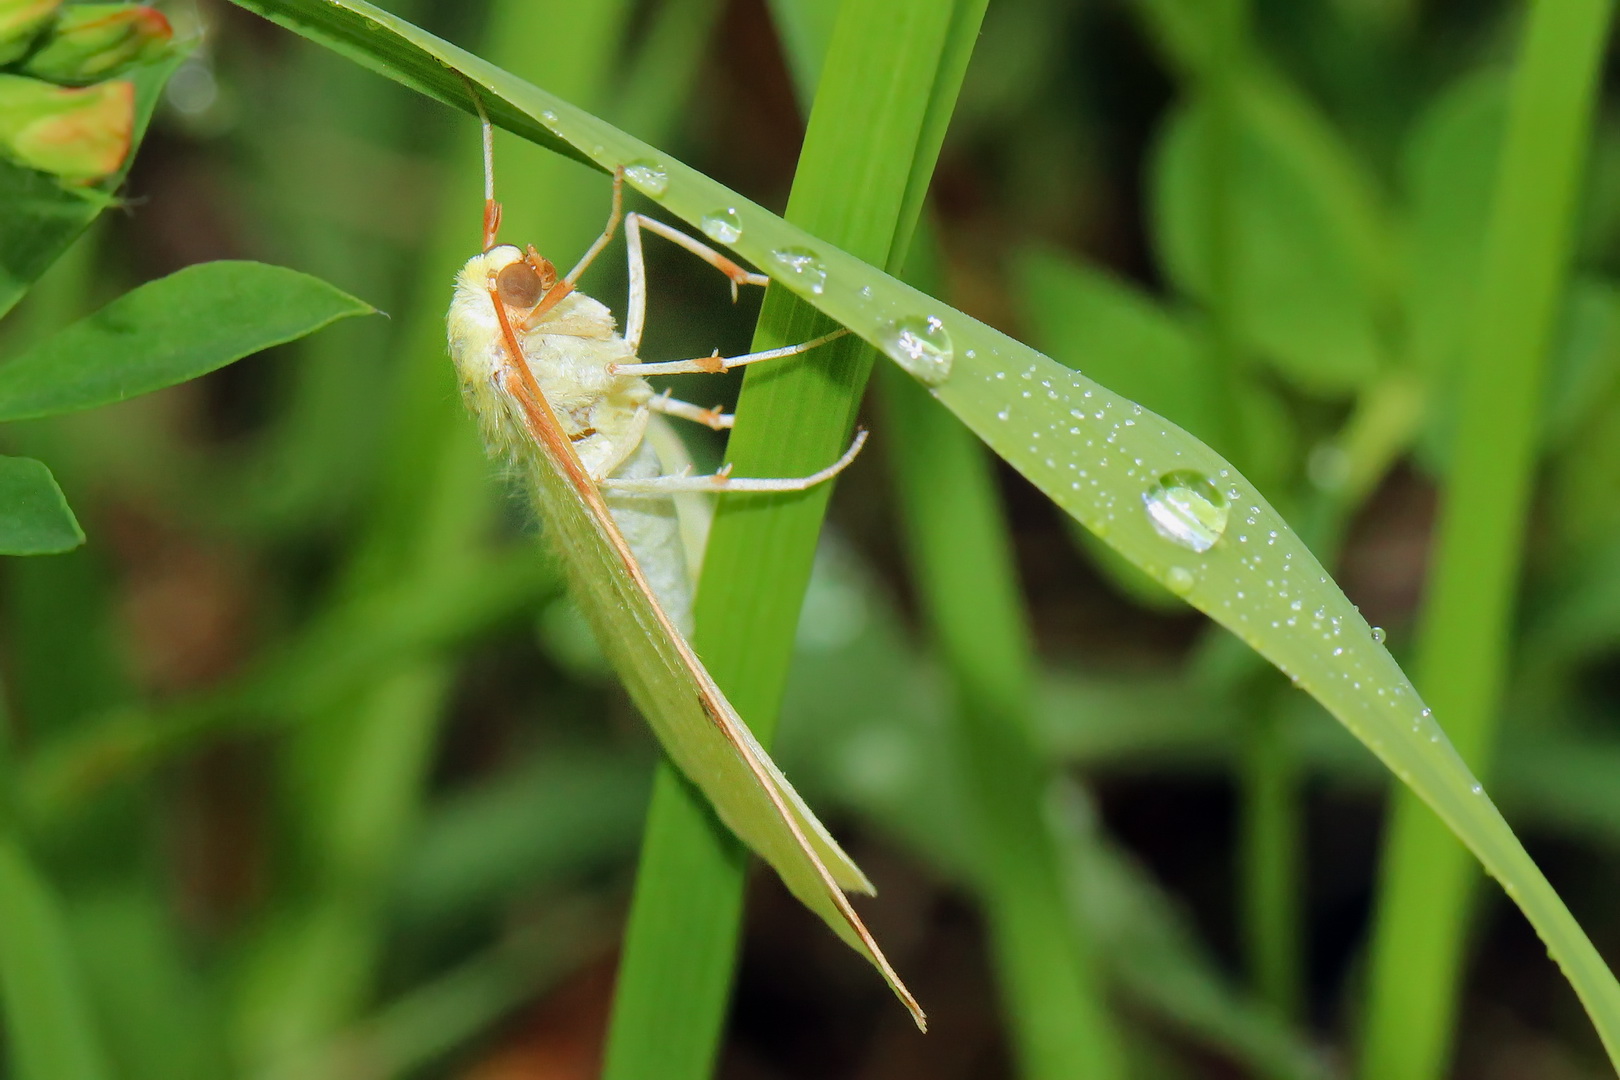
pixel 724 481
pixel 612 225
pixel 714 365
pixel 685 410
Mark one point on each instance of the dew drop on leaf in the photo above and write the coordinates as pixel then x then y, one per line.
pixel 1187 509
pixel 1179 580
pixel 722 226
pixel 648 177
pixel 803 264
pixel 922 346
pixel 1378 634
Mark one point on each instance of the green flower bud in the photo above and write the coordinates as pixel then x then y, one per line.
pixel 80 135
pixel 20 23
pixel 92 42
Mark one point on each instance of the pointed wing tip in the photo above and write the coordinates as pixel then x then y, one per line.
pixel 917 1015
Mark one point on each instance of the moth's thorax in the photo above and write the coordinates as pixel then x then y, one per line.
pixel 569 351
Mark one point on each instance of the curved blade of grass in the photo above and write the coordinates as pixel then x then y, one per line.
pixel 1464 647
pixel 167 331
pixel 34 516
pixel 1094 453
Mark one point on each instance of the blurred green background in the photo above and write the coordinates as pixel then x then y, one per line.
pixel 328 779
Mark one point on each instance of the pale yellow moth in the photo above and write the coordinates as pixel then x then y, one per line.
pixel 563 397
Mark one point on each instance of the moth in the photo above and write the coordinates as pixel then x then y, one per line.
pixel 562 395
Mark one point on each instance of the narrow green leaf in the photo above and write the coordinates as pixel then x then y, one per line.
pixel 887 62
pixel 1100 457
pixel 167 331
pixel 48 1030
pixel 1310 247
pixel 1084 315
pixel 34 516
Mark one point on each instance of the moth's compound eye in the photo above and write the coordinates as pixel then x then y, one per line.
pixel 519 286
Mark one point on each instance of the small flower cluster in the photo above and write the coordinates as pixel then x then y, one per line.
pixel 62 110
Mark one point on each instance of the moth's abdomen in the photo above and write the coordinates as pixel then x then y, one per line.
pixel 652 528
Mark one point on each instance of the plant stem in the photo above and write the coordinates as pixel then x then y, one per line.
pixel 1463 647
pixel 866 134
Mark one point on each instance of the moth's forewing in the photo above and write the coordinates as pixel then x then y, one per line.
pixel 697 726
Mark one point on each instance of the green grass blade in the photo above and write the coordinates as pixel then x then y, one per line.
pixel 962 555
pixel 675 976
pixel 48 1028
pixel 34 515
pixel 1463 650
pixel 1092 452
pixel 167 331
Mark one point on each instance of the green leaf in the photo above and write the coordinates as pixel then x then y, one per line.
pixel 1100 457
pixel 1086 317
pixel 897 64
pixel 49 1034
pixel 34 516
pixel 1448 169
pixel 1311 249
pixel 167 331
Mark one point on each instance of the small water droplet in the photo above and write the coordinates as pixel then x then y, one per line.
pixel 648 177
pixel 1186 508
pixel 1378 634
pixel 1180 580
pixel 549 119
pixel 722 226
pixel 922 346
pixel 803 263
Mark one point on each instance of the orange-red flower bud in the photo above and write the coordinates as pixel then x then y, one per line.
pixel 80 135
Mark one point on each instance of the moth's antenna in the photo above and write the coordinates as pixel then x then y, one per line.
pixel 492 209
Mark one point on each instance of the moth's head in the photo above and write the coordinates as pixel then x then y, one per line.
pixel 520 278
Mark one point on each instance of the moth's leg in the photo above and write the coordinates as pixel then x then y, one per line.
pixel 621 448
pixel 685 410
pixel 614 217
pixel 635 319
pixel 714 365
pixel 724 481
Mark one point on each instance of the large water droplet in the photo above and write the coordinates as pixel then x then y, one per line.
pixel 722 226
pixel 648 176
pixel 1187 508
pixel 922 346
pixel 803 264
